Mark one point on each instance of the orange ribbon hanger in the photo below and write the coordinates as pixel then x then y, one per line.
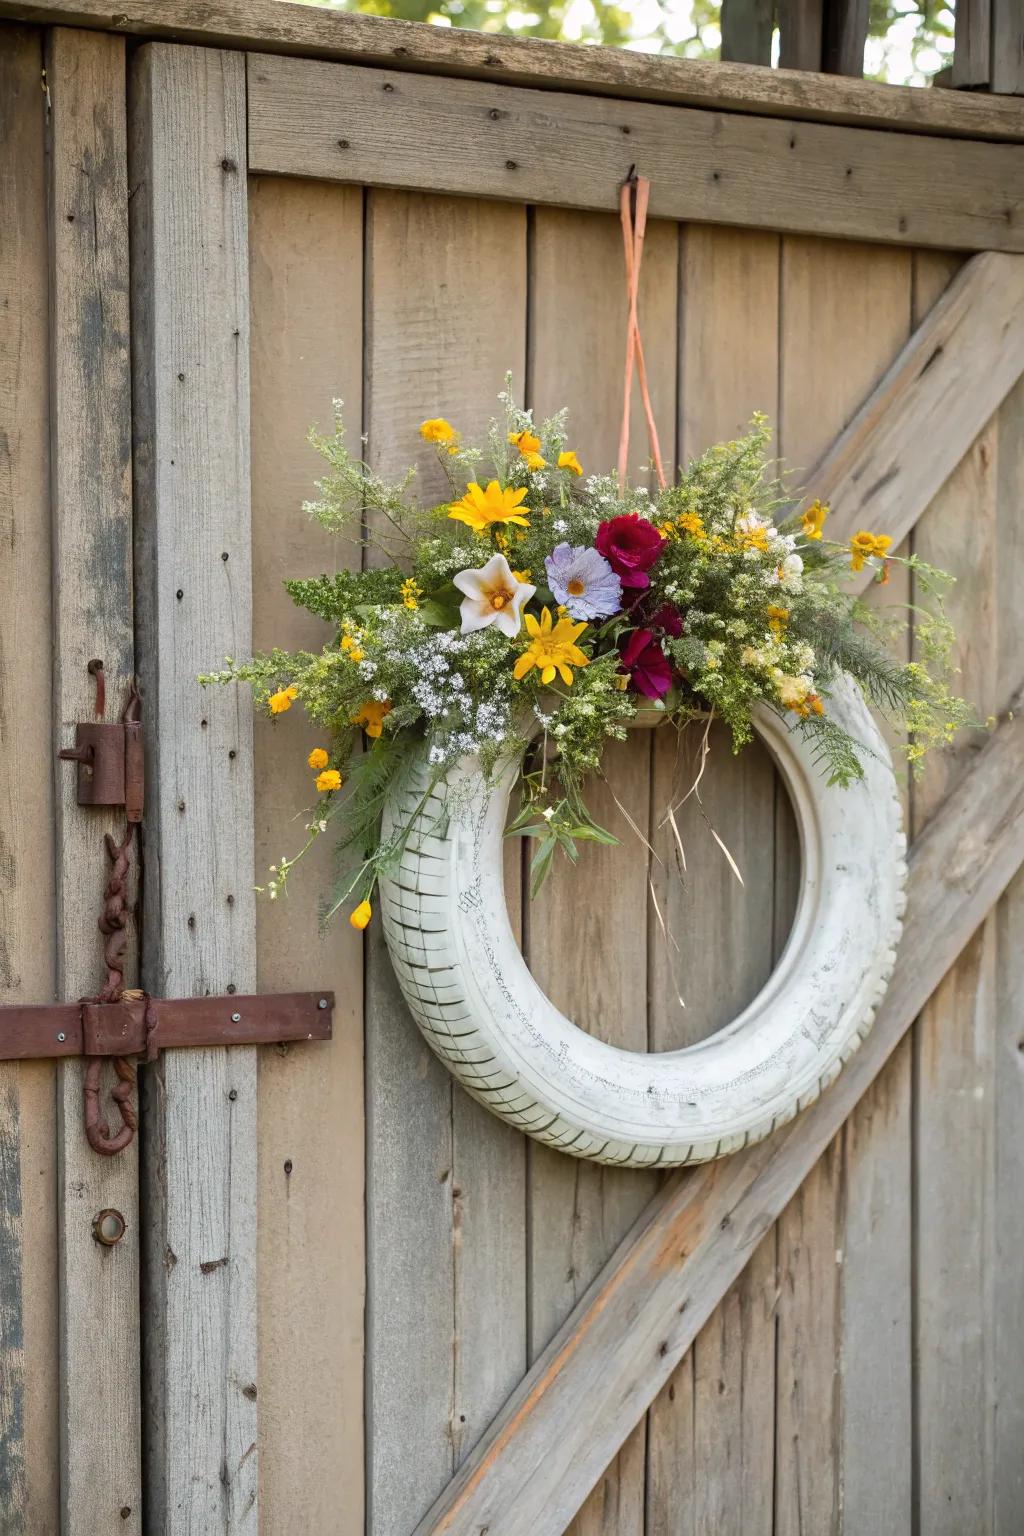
pixel 634 197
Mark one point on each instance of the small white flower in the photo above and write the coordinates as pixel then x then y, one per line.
pixel 548 813
pixel 493 596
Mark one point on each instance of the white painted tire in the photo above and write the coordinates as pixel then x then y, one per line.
pixel 469 989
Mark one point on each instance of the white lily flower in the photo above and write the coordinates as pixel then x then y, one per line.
pixel 493 596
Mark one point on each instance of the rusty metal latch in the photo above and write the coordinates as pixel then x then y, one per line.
pixel 118 1023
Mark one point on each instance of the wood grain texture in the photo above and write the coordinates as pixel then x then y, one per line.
pixel 747 31
pixel 722 932
pixel 306 274
pixel 191 378
pixel 1007 48
pixel 541 1457
pixel 29 1418
pixel 91 500
pixel 851 303
pixel 800 33
pixel 445 318
pixel 957 1035
pixel 913 429
pixel 846 32
pixel 575 928
pixel 346 123
pixel 972 48
pixel 275 27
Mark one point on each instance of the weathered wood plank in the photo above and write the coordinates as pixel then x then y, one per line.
pixel 849 303
pixel 191 378
pixel 909 436
pixel 272 26
pixel 846 32
pixel 385 128
pixel 91 500
pixel 747 31
pixel 614 1353
pixel 575 928
pixel 1007 48
pixel 972 46
pixel 1007 1105
pixel 965 529
pixel 306 274
pixel 724 931
pixel 801 28
pixel 446 316
pixel 29 1459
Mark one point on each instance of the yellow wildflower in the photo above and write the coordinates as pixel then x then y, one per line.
pixel 318 759
pixel 793 691
pixel 329 779
pixel 534 461
pixel 552 647
pixel 568 460
pixel 753 538
pixel 668 530
pixel 411 594
pixel 777 619
pixel 282 699
pixel 522 575
pixel 481 509
pixel 693 524
pixel 813 520
pixel 371 716
pixel 437 430
pixel 361 916
pixel 526 442
pixel 865 546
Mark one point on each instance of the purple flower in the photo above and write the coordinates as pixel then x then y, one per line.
pixel 583 582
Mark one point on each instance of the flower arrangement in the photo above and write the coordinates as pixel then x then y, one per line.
pixel 542 605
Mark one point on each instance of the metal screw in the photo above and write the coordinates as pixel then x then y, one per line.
pixel 62 1037
pixel 322 1003
pixel 236 1018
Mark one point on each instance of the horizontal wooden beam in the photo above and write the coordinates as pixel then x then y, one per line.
pixel 272 26
pixel 382 128
pixel 913 430
pixel 562 1426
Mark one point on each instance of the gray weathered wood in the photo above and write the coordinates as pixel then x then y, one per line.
pixel 445 1180
pixel 191 377
pixel 306 284
pixel 1007 48
pixel 846 31
pixel 29 1457
pixel 346 123
pixel 272 26
pixel 90 486
pixel 801 28
pixel 849 301
pixel 729 293
pixel 972 48
pixel 747 31
pixel 911 433
pixel 602 1370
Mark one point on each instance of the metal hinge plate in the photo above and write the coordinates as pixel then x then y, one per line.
pixel 110 764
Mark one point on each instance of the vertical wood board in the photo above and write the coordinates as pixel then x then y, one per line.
pixel 91 501
pixel 29 1418
pixel 306 279
pixel 193 570
pixel 445 319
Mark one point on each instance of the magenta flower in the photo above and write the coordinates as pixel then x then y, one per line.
pixel 650 671
pixel 630 545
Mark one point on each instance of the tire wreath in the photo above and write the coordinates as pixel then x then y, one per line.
pixel 468 987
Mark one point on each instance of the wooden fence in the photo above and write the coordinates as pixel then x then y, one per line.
pixel 365 1303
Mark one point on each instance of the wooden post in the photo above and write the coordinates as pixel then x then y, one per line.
pixel 747 31
pixel 90 490
pixel 193 558
pixel 989 46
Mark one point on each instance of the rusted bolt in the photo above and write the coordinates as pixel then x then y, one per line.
pixel 236 1018
pixel 108 1227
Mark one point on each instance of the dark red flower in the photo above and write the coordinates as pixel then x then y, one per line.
pixel 650 671
pixel 668 619
pixel 631 546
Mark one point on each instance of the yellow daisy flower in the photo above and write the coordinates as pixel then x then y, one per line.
pixel 481 509
pixel 867 546
pixel 813 520
pixel 526 442
pixel 552 647
pixel 328 780
pixel 568 460
pixel 371 716
pixel 282 699
pixel 318 759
